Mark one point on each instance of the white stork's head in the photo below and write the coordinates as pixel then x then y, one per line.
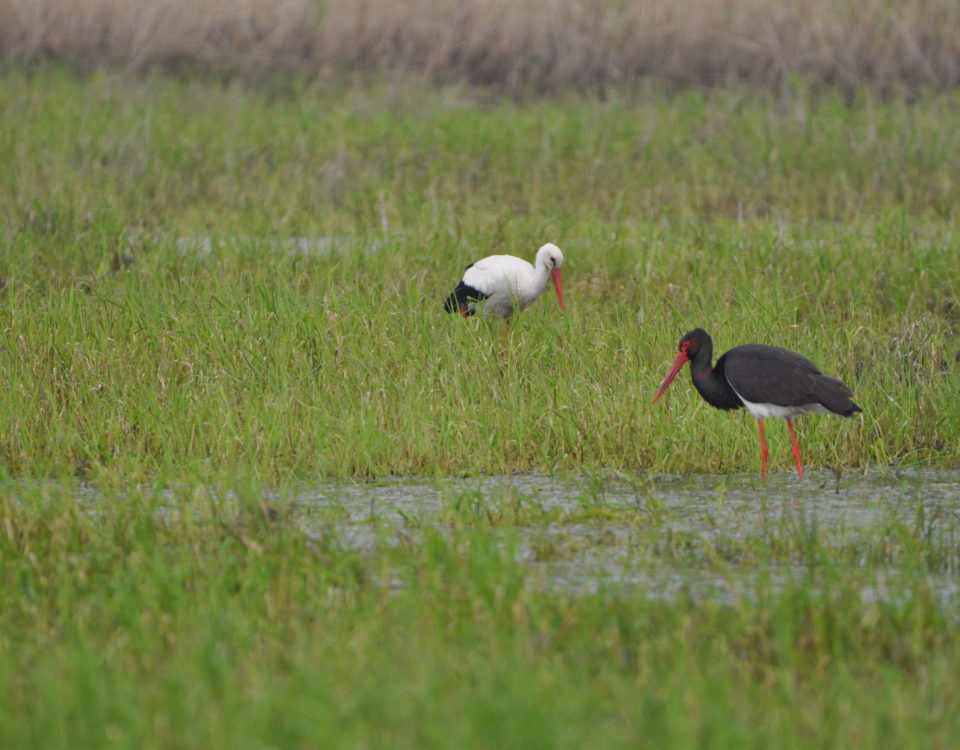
pixel 550 257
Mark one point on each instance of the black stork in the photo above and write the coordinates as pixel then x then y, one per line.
pixel 767 380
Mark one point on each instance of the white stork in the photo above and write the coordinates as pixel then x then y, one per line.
pixel 506 284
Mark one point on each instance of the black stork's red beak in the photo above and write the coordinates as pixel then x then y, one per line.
pixel 678 364
pixel 555 275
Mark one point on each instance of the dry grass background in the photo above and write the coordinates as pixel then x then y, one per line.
pixel 512 45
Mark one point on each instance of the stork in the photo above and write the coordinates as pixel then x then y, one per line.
pixel 506 284
pixel 767 380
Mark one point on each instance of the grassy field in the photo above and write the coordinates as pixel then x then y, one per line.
pixel 196 619
pixel 210 292
pixel 199 277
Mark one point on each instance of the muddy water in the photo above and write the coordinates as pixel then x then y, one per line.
pixel 707 537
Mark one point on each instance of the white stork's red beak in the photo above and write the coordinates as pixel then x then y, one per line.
pixel 555 275
pixel 678 364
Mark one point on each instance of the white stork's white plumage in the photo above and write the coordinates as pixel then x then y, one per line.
pixel 506 284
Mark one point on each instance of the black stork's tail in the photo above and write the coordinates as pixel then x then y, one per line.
pixel 834 395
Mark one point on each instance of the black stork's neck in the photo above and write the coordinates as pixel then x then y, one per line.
pixel 710 381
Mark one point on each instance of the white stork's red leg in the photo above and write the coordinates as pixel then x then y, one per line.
pixel 503 339
pixel 796 447
pixel 763 451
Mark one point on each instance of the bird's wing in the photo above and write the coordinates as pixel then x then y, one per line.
pixel 487 274
pixel 771 375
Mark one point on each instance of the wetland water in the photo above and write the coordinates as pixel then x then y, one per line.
pixel 708 537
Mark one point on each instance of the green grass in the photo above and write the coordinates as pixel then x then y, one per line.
pixel 130 352
pixel 193 621
pixel 209 292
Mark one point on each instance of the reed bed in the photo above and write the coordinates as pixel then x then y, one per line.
pixel 514 47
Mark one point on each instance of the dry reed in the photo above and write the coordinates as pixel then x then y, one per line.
pixel 512 45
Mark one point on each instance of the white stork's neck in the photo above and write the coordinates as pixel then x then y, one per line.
pixel 541 272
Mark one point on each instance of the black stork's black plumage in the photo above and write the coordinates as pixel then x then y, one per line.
pixel 767 380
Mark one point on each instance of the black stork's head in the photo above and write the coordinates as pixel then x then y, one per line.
pixel 694 345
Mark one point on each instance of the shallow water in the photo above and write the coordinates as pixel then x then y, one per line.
pixel 669 536
pixel 708 538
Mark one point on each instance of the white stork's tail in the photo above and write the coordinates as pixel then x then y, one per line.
pixel 462 299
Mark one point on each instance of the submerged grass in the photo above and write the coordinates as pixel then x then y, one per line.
pixel 201 276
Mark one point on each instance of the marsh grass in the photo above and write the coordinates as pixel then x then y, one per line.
pixel 206 617
pixel 209 291
pixel 200 276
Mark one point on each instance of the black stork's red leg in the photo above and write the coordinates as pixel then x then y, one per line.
pixel 766 380
pixel 796 447
pixel 764 452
